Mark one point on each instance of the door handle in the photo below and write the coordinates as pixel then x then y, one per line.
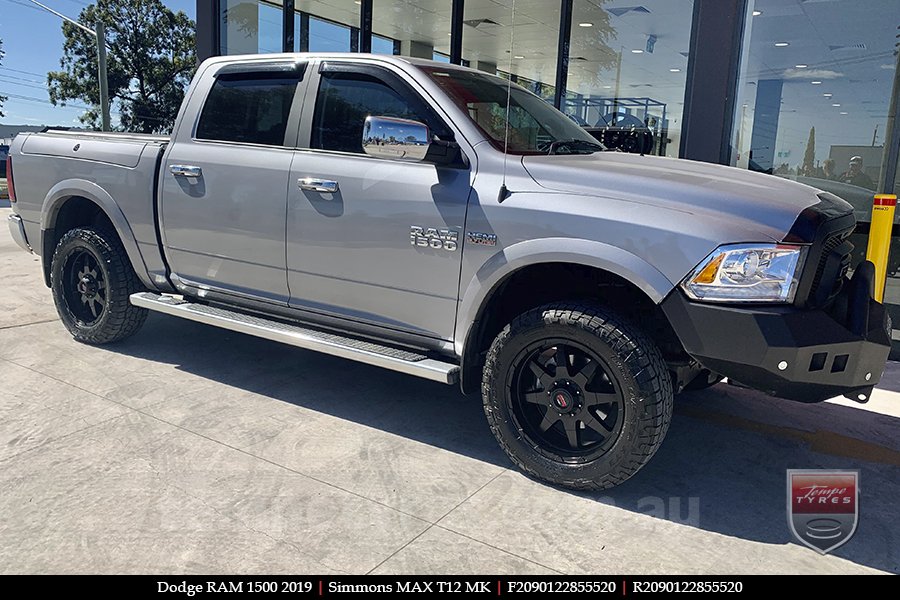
pixel 311 184
pixel 185 171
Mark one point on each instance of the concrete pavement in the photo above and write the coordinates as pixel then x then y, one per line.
pixel 194 450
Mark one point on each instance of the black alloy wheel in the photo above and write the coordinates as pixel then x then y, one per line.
pixel 85 290
pixel 567 399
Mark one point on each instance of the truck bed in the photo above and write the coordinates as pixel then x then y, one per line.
pixel 116 171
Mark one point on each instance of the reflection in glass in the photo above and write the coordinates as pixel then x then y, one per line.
pixel 250 27
pixel 627 73
pixel 325 36
pixel 389 137
pixel 815 109
pixel 420 28
pixel 530 60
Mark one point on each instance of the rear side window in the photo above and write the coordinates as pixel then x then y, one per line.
pixel 248 107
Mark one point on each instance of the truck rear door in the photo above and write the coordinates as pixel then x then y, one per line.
pixel 225 179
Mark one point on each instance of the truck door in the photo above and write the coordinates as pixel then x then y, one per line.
pixel 385 246
pixel 225 179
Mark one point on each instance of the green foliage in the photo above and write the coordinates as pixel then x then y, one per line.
pixel 150 61
pixel 809 157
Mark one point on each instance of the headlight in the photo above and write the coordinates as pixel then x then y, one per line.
pixel 746 273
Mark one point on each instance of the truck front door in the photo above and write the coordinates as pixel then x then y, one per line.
pixel 385 246
pixel 225 180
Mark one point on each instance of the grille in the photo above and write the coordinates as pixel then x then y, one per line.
pixel 822 290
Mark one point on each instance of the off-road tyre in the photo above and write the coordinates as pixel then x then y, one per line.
pixel 91 279
pixel 633 370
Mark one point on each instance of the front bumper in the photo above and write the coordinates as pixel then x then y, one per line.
pixel 806 355
pixel 17 231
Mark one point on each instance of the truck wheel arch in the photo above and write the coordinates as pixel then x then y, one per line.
pixel 550 255
pixel 76 190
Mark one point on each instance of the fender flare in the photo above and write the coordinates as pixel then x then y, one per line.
pixel 528 253
pixel 69 188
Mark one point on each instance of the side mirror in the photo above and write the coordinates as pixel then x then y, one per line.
pixel 387 137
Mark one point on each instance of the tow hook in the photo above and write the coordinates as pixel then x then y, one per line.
pixel 860 395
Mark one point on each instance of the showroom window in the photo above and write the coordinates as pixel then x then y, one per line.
pixel 325 26
pixel 531 60
pixel 420 28
pixel 384 45
pixel 250 108
pixel 813 98
pixel 325 36
pixel 250 27
pixel 626 75
pixel 814 93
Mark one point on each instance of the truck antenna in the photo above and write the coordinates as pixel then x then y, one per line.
pixel 504 193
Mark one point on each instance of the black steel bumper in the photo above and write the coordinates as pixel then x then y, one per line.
pixel 800 354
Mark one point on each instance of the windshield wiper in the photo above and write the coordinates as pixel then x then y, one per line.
pixel 555 145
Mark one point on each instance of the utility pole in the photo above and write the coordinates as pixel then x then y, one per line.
pixel 99 34
pixel 101 74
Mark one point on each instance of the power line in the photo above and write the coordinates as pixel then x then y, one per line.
pixel 31 6
pixel 23 79
pixel 78 106
pixel 45 101
pixel 28 85
pixel 23 72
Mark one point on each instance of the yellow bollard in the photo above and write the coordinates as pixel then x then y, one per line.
pixel 880 239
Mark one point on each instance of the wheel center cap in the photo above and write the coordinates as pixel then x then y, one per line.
pixel 565 397
pixel 562 400
pixel 87 286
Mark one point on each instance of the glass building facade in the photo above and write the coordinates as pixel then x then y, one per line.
pixel 803 89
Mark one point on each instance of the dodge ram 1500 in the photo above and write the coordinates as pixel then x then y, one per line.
pixel 441 222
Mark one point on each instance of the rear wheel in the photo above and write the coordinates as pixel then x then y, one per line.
pixel 576 396
pixel 91 278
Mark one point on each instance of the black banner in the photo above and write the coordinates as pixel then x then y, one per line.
pixel 199 586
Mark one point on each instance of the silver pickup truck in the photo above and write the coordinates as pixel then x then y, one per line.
pixel 437 221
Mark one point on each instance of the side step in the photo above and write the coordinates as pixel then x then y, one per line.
pixel 386 357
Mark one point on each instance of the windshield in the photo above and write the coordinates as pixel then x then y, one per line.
pixel 535 127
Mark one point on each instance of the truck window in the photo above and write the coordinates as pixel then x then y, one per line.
pixel 533 124
pixel 248 107
pixel 344 101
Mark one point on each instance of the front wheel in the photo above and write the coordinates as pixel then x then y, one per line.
pixel 91 278
pixel 576 396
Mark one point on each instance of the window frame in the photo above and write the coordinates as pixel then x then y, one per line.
pixel 299 68
pixel 383 72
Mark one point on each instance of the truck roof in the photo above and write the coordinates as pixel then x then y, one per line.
pixel 389 58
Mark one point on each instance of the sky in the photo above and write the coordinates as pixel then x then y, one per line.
pixel 32 43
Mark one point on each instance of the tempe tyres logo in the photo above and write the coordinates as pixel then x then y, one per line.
pixel 823 507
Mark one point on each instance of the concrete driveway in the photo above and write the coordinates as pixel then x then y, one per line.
pixel 194 450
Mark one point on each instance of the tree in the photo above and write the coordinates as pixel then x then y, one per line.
pixel 809 157
pixel 150 61
pixel 2 98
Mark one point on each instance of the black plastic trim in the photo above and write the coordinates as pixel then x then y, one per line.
pixel 273 70
pixel 562 52
pixel 824 227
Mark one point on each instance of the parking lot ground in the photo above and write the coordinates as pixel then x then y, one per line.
pixel 190 449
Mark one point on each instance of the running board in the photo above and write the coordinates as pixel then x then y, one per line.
pixel 362 351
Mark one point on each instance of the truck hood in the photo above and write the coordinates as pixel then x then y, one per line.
pixel 762 204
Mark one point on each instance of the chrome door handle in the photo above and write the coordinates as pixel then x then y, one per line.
pixel 311 184
pixel 185 171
